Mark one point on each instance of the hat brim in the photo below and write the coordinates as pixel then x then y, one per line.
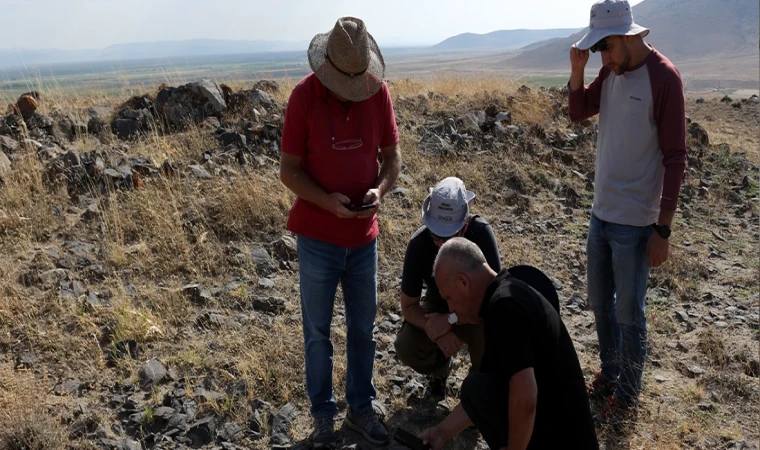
pixel 353 88
pixel 444 229
pixel 596 35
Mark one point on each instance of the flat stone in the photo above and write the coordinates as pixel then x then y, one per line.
pixel 152 374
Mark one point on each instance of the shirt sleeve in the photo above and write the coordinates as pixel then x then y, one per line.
pixel 486 241
pixel 295 130
pixel 670 117
pixel 390 129
pixel 516 350
pixel 585 102
pixel 411 277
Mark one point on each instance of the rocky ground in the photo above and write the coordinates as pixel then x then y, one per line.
pixel 149 290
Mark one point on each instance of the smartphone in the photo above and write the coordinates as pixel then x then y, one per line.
pixel 409 440
pixel 360 207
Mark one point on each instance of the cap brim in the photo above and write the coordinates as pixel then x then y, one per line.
pixel 442 229
pixel 596 35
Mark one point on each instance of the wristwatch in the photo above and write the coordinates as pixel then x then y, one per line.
pixel 662 230
pixel 453 319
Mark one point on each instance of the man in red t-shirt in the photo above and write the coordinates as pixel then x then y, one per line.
pixel 337 119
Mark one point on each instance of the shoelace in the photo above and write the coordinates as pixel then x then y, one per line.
pixel 372 420
pixel 324 426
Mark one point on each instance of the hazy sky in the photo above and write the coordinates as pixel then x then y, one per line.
pixel 77 24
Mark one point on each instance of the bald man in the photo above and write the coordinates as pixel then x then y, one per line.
pixel 530 392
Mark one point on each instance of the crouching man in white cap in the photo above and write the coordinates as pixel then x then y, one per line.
pixel 430 336
pixel 641 156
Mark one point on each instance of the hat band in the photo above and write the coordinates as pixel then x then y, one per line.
pixel 348 74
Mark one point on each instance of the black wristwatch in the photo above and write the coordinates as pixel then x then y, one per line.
pixel 662 230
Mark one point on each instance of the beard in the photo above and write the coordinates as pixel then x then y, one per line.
pixel 622 68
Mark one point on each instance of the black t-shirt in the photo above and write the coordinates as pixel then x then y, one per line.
pixel 523 330
pixel 421 252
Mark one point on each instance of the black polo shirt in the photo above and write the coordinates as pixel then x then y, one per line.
pixel 523 330
pixel 421 252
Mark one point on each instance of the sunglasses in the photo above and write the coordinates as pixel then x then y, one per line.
pixel 347 144
pixel 600 46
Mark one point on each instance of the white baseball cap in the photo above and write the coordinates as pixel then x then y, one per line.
pixel 446 209
pixel 610 18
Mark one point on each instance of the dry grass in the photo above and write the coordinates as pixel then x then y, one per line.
pixel 27 421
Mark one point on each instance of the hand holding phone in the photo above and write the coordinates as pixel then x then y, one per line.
pixel 360 207
pixel 410 440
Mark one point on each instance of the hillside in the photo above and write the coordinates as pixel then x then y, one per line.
pixel 502 40
pixel 149 288
pixel 681 29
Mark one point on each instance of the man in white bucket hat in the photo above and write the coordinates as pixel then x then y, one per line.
pixel 337 120
pixel 430 337
pixel 641 157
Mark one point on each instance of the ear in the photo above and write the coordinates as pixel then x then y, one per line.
pixel 462 281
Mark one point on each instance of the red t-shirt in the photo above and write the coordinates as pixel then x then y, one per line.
pixel 352 172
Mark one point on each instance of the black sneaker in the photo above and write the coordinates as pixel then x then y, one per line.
pixel 368 425
pixel 615 413
pixel 323 435
pixel 600 388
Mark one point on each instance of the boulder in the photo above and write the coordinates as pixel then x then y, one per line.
pixel 190 103
pixel 27 105
pixel 269 86
pixel 699 134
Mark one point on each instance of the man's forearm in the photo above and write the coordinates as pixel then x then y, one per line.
pixel 576 79
pixel 522 414
pixel 456 422
pixel 389 171
pixel 415 315
pixel 666 216
pixel 297 180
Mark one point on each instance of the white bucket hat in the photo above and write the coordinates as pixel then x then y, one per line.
pixel 610 18
pixel 446 209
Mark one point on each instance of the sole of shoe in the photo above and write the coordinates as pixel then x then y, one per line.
pixel 364 433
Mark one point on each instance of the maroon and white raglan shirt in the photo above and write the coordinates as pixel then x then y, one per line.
pixel 641 146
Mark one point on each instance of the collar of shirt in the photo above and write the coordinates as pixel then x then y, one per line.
pixel 491 290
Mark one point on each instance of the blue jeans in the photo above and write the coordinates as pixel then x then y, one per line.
pixel 618 270
pixel 322 266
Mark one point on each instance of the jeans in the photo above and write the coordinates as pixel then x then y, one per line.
pixel 618 270
pixel 321 267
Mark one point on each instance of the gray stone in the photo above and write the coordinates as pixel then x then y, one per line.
pixel 284 418
pixel 67 387
pixel 5 165
pixel 274 305
pixel 266 283
pixel 206 395
pixel 213 94
pixel 699 134
pixel 258 97
pixel 53 277
pixel 26 360
pixel 163 412
pixel 125 129
pixel 504 117
pixel 264 263
pixel 214 320
pixel 230 432
pixel 128 444
pixel 152 374
pixel 286 248
pixel 434 145
pixel 8 145
pixel 200 172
